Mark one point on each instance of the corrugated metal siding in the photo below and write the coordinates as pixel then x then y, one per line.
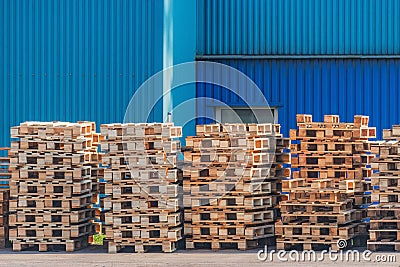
pixel 341 86
pixel 75 60
pixel 294 27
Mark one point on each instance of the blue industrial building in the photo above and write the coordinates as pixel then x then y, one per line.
pixel 308 56
pixel 84 59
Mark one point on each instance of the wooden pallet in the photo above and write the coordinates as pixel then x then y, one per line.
pixel 260 186
pixel 385 233
pixel 54 130
pixel 147 204
pixel 52 245
pixel 337 173
pixel 385 197
pixel 386 183
pixel 333 147
pixel 394 245
pixel 249 173
pixel 64 146
pixel 315 243
pixel 222 217
pixel 236 230
pixel 136 160
pixel 322 217
pixel 137 188
pixel 222 200
pixel 384 211
pixel 48 216
pixel 392 134
pixel 138 233
pixel 35 231
pixel 62 173
pixel 159 219
pixel 308 230
pixel 141 247
pixel 162 176
pixel 216 245
pixel 53 202
pixel 140 130
pixel 317 206
pixel 57 188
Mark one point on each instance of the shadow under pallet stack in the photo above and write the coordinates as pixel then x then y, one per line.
pixel 4 196
pixel 51 185
pixel 143 184
pixel 384 212
pixel 232 176
pixel 327 197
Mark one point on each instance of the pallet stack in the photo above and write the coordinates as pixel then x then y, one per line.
pixel 232 177
pixel 144 202
pixel 385 212
pixel 4 196
pixel 318 215
pixel 326 198
pixel 51 185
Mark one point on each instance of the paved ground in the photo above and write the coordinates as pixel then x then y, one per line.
pixel 100 258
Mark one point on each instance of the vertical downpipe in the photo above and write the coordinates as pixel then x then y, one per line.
pixel 168 58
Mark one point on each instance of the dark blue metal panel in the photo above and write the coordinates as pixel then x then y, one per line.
pixel 298 27
pixel 346 87
pixel 75 60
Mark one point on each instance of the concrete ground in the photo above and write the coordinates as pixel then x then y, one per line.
pixel 100 257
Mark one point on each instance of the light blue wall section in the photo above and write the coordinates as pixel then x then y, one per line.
pixel 184 50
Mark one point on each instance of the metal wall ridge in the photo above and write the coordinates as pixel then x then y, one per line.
pixel 252 57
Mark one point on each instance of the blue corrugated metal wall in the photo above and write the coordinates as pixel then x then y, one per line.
pixel 300 27
pixel 340 86
pixel 75 60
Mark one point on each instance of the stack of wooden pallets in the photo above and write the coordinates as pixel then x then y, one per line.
pixel 4 195
pixel 335 153
pixel 143 186
pixel 232 177
pixel 318 214
pixel 51 185
pixel 385 212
